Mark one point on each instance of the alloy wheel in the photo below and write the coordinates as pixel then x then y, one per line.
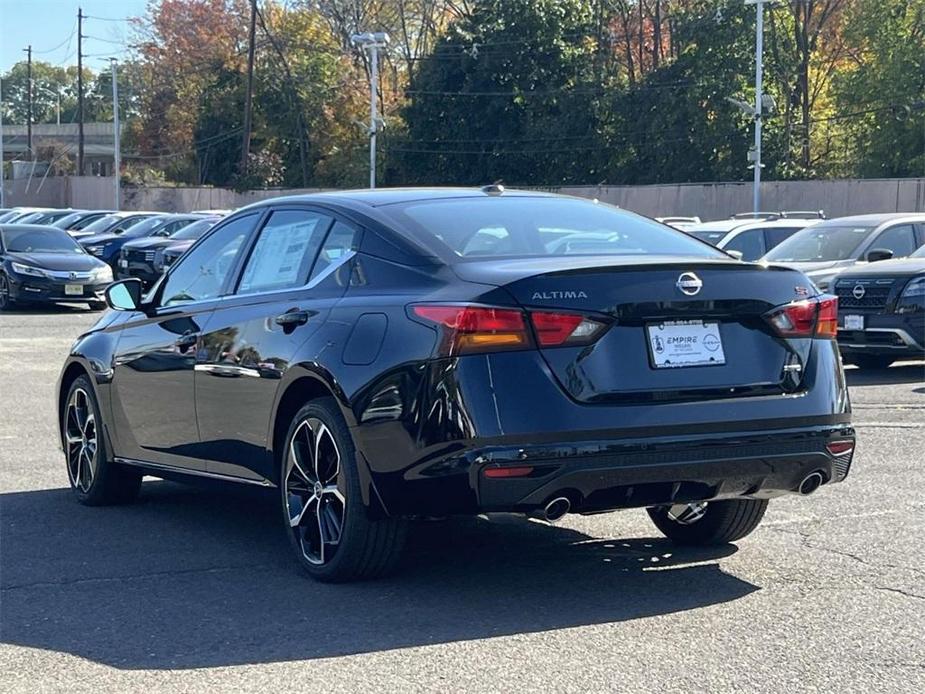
pixel 687 514
pixel 4 291
pixel 81 441
pixel 314 494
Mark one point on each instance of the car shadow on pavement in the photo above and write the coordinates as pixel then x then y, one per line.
pixel 191 578
pixel 907 372
pixel 48 309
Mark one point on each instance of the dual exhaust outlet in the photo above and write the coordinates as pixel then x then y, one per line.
pixel 556 508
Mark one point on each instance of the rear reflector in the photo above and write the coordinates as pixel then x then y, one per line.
pixel 840 447
pixel 500 472
pixel 817 317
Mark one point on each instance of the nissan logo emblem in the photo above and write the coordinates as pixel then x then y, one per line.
pixel 689 284
pixel 858 292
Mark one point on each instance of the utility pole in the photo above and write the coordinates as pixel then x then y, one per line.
pixel 29 117
pixel 246 145
pixel 117 154
pixel 80 93
pixel 2 184
pixel 759 77
pixel 372 42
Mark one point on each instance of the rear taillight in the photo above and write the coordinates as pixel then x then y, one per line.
pixel 474 329
pixel 554 329
pixel 816 317
pixel 468 329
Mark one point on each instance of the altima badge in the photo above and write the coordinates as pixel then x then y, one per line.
pixel 689 284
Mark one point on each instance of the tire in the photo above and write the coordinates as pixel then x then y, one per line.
pixel 97 305
pixel 871 361
pixel 95 478
pixel 317 490
pixel 720 522
pixel 6 303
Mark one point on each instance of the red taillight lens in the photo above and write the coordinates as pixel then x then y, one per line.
pixel 817 317
pixel 838 448
pixel 507 472
pixel 469 329
pixel 554 329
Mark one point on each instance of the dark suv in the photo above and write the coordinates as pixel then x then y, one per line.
pixel 882 311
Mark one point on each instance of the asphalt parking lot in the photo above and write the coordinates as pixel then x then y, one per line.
pixel 194 590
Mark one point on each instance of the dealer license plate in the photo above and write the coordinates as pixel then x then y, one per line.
pixel 675 344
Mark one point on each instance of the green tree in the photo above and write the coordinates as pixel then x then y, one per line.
pixel 510 92
pixel 880 92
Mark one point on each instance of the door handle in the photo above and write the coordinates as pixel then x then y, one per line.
pixel 184 342
pixel 292 318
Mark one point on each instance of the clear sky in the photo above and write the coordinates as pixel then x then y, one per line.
pixel 50 26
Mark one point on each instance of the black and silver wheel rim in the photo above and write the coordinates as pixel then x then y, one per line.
pixel 81 447
pixel 687 514
pixel 4 292
pixel 315 499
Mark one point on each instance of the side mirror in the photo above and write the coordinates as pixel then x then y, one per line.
pixel 124 295
pixel 738 255
pixel 875 254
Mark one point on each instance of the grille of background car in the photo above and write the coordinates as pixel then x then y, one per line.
pixel 876 293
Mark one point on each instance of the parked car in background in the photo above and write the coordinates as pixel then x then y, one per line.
pixel 75 221
pixel 144 257
pixel 825 249
pixel 112 223
pixel 45 217
pixel 108 247
pixel 379 355
pixel 750 237
pixel 44 264
pixel 881 311
pixel 17 213
pixel 681 223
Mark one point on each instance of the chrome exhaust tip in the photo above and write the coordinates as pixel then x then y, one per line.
pixel 810 483
pixel 556 508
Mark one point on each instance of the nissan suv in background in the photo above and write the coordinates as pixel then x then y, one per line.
pixel 881 315
pixel 831 246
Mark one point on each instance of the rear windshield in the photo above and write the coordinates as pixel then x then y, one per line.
pixel 820 243
pixel 37 240
pixel 102 224
pixel 502 227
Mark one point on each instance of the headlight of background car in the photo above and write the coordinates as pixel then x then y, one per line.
pixel 27 270
pixel 103 274
pixel 915 290
pixel 159 260
pixel 95 250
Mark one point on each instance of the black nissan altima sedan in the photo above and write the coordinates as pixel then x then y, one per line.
pixel 379 356
pixel 44 264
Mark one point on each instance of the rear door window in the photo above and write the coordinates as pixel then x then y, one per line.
pixel 340 241
pixel 284 252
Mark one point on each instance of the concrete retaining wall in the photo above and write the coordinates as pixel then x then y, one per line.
pixel 706 200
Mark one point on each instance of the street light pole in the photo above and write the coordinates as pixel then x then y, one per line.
pixel 372 42
pixel 759 87
pixel 117 154
pixel 2 183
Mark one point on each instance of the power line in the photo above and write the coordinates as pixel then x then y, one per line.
pixel 66 41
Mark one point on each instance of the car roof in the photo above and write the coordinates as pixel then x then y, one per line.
pixel 872 220
pixel 29 227
pixel 391 196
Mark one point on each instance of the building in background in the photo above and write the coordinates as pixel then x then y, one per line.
pixel 55 143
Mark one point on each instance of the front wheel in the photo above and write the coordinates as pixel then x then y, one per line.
pixel 6 301
pixel 328 526
pixel 709 522
pixel 95 478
